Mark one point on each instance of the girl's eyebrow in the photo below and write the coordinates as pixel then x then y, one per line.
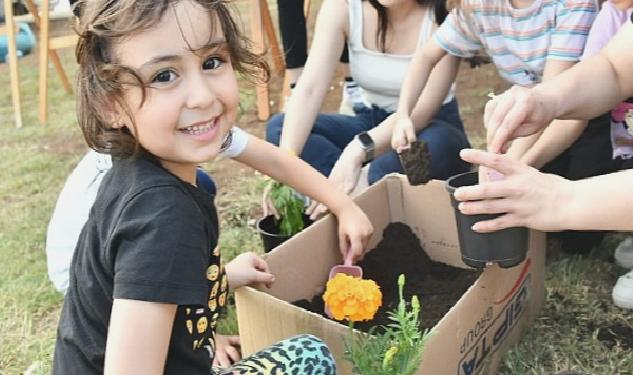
pixel 212 44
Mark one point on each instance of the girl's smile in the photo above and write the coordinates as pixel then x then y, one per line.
pixel 202 131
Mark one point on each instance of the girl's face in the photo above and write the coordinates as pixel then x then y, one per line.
pixel 622 4
pixel 192 96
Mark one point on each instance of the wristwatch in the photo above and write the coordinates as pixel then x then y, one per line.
pixel 367 144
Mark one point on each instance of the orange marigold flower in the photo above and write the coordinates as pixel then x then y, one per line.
pixel 352 298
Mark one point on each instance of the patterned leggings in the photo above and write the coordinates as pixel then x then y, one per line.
pixel 303 354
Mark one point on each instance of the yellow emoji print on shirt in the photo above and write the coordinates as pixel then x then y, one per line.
pixel 224 283
pixel 214 291
pixel 212 305
pixel 189 326
pixel 216 251
pixel 212 272
pixel 222 299
pixel 202 325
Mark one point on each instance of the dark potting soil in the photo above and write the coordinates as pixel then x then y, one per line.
pixel 437 285
pixel 416 162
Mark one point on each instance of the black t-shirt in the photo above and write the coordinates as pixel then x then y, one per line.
pixel 151 237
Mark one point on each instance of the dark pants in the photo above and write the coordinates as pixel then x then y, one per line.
pixel 330 134
pixel 591 155
pixel 294 34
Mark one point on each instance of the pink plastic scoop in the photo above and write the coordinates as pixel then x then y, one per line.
pixel 347 268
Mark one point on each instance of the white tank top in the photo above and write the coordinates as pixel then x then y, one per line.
pixel 381 75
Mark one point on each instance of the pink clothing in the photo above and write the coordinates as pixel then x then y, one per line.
pixel 606 25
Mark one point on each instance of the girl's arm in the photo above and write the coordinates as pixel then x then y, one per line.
pixel 138 337
pixel 423 62
pixel 307 97
pixel 527 197
pixel 354 226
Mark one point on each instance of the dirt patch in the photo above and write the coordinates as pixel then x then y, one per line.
pixel 438 285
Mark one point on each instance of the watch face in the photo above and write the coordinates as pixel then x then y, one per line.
pixel 365 139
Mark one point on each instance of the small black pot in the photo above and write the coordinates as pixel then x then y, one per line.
pixel 269 231
pixel 507 247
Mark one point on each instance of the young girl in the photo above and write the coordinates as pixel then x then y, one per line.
pixel 529 41
pixel 382 37
pixel 158 91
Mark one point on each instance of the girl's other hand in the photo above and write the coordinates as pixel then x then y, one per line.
pixel 525 197
pixel 227 351
pixel 354 231
pixel 403 134
pixel 248 269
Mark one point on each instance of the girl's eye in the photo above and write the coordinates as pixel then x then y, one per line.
pixel 212 63
pixel 164 76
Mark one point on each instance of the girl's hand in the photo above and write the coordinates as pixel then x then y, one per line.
pixel 248 269
pixel 227 351
pixel 403 134
pixel 525 197
pixel 354 231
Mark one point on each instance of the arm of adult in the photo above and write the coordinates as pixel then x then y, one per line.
pixel 307 97
pixel 346 171
pixel 423 62
pixel 588 89
pixel 537 150
pixel 527 197
pixel 142 350
pixel 354 226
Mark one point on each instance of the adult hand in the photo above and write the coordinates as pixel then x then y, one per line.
pixel 525 197
pixel 354 230
pixel 344 176
pixel 247 269
pixel 227 351
pixel 517 112
pixel 403 133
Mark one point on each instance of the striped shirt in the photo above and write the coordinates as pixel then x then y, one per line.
pixel 519 41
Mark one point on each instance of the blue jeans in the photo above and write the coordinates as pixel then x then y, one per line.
pixel 330 134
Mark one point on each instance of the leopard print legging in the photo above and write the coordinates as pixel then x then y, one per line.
pixel 299 355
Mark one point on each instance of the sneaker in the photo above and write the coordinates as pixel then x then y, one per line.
pixel 624 253
pixel 351 97
pixel 623 291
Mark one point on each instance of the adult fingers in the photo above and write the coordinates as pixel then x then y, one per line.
pixel 319 211
pixel 498 162
pixel 487 206
pixel 234 340
pixel 501 222
pixel 501 108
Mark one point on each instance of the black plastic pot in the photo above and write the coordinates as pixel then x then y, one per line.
pixel 269 231
pixel 507 247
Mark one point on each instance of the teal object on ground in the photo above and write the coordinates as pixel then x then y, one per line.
pixel 25 41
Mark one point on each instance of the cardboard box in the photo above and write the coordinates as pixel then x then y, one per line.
pixel 470 339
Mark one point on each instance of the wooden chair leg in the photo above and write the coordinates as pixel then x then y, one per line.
pixel 259 46
pixel 52 54
pixel 278 59
pixel 306 8
pixel 13 63
pixel 43 68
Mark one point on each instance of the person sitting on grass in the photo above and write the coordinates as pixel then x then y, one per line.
pixel 527 197
pixel 529 41
pixel 382 37
pixel 157 89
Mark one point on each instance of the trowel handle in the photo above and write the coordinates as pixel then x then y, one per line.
pixel 349 257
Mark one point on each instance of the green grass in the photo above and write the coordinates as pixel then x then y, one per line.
pixel 569 334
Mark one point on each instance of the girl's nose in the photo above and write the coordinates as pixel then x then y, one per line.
pixel 200 93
